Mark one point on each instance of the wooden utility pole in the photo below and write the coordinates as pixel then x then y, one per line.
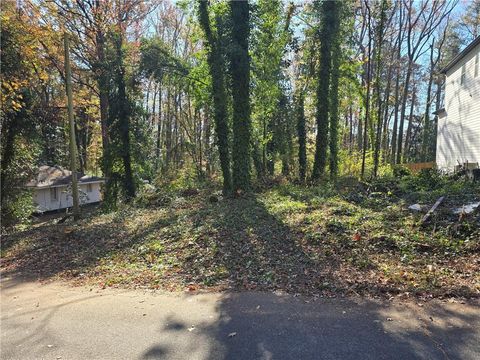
pixel 73 145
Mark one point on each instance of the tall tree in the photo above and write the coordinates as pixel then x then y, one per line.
pixel 393 153
pixel 22 73
pixel 122 111
pixel 334 102
pixel 328 23
pixel 368 77
pixel 269 41
pixel 240 71
pixel 421 23
pixel 216 66
pixel 379 44
pixel 427 153
pixel 71 125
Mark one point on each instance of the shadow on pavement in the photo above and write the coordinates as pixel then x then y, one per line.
pixel 266 326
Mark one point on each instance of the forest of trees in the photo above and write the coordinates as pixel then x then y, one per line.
pixel 239 92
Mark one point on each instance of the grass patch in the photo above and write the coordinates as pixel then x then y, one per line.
pixel 328 240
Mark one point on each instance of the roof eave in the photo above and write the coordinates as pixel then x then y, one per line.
pixel 460 55
pixel 60 185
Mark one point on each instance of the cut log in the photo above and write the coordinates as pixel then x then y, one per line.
pixel 431 211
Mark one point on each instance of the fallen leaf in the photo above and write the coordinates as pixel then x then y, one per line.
pixel 357 236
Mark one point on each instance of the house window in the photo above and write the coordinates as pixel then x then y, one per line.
pixel 53 194
pixel 89 188
pixel 477 60
pixel 462 77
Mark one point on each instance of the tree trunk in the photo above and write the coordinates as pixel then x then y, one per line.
pixel 426 120
pixel 367 99
pixel 124 110
pixel 323 87
pixel 71 123
pixel 376 153
pixel 402 114
pixel 216 66
pixel 159 128
pixel 168 131
pixel 302 138
pixel 103 90
pixel 240 70
pixel 8 139
pixel 408 138
pixel 152 114
pixel 334 109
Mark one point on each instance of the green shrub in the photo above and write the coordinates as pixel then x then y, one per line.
pixel 400 171
pixel 17 210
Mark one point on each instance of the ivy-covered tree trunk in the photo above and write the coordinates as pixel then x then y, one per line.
pixel 240 70
pixel 216 65
pixel 124 112
pixel 103 91
pixel 328 14
pixel 378 135
pixel 334 106
pixel 302 138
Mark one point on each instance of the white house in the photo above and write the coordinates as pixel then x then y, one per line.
pixel 458 131
pixel 52 188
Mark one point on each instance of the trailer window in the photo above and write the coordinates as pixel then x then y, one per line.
pixel 53 194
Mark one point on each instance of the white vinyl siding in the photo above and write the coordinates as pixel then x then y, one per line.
pixel 43 196
pixel 458 139
pixel 477 65
pixel 462 77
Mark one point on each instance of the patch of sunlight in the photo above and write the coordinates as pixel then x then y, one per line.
pixel 287 206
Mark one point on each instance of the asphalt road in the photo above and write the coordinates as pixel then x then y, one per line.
pixel 54 321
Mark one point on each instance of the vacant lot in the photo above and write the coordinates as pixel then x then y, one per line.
pixel 352 238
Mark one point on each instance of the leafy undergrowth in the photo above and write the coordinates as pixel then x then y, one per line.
pixel 350 239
